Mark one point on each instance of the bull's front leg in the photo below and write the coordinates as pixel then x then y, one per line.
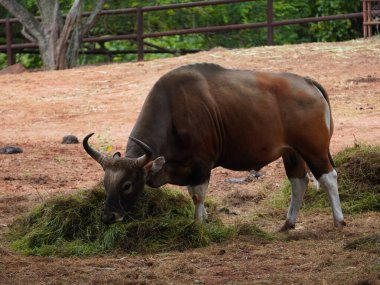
pixel 198 194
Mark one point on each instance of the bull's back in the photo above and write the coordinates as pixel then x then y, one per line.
pixel 237 119
pixel 244 119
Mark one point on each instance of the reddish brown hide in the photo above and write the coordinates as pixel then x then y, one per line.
pixel 201 116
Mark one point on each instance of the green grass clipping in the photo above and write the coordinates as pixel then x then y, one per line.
pixel 358 169
pixel 162 220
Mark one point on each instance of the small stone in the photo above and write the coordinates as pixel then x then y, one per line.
pixel 11 150
pixel 224 210
pixel 255 174
pixel 70 139
pixel 227 211
pixel 222 252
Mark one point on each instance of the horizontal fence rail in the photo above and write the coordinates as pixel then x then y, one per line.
pixel 139 36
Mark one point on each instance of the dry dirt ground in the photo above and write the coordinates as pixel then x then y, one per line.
pixel 37 109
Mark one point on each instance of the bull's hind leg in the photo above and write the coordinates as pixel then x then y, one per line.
pixel 198 194
pixel 330 183
pixel 296 171
pixel 323 170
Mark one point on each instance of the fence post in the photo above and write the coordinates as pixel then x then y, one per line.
pixel 8 33
pixel 140 32
pixel 364 18
pixel 270 21
pixel 369 18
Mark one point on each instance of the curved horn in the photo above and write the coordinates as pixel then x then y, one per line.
pixel 100 158
pixel 142 160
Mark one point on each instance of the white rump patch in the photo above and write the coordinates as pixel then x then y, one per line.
pixel 327 109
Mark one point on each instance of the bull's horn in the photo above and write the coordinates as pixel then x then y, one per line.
pixel 142 160
pixel 93 153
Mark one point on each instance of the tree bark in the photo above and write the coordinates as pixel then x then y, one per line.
pixel 72 19
pixel 79 31
pixel 50 21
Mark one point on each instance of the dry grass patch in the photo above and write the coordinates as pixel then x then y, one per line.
pixel 370 243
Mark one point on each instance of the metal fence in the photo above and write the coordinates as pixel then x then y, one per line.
pixel 371 16
pixel 140 35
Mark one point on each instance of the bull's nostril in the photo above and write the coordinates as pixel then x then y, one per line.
pixel 108 218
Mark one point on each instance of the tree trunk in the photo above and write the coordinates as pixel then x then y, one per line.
pixel 72 53
pixel 50 24
pixel 58 43
pixel 72 19
pixel 79 31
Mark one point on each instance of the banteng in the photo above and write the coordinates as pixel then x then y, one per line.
pixel 201 116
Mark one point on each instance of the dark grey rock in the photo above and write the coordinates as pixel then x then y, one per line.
pixel 255 174
pixel 245 180
pixel 11 150
pixel 70 139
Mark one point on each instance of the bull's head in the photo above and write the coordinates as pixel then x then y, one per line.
pixel 124 178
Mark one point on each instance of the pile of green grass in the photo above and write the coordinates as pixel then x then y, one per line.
pixel 358 170
pixel 162 220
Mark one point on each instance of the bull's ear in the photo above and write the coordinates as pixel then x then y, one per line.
pixel 117 154
pixel 155 165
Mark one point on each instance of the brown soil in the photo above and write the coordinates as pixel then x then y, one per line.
pixel 37 109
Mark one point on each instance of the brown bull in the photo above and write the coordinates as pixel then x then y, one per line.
pixel 201 116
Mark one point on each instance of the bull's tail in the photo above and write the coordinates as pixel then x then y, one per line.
pixel 331 159
pixel 326 96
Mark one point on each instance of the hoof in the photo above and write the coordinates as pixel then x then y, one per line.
pixel 287 226
pixel 201 220
pixel 340 224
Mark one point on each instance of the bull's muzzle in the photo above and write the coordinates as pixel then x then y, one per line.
pixel 108 219
pixel 111 218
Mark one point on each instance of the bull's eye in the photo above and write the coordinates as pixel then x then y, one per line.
pixel 126 188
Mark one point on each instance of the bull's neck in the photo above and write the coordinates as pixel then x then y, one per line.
pixel 134 151
pixel 152 124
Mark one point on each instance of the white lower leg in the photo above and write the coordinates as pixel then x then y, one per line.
pixel 200 212
pixel 198 194
pixel 299 186
pixel 329 182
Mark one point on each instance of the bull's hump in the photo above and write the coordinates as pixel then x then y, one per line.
pixel 196 69
pixel 203 67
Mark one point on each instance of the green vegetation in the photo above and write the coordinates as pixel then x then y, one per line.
pixel 162 220
pixel 238 13
pixel 358 170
